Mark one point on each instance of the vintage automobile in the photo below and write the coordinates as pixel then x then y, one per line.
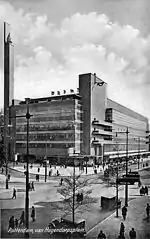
pixel 63 228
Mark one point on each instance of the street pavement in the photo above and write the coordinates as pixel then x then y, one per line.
pixel 47 192
pixel 136 218
pixel 63 171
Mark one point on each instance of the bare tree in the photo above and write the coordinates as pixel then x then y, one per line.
pixel 75 193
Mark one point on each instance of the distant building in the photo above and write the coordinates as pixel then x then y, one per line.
pixel 55 128
pixel 84 123
pixel 103 118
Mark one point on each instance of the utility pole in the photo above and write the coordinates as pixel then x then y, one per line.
pixel 73 204
pixel 117 147
pixel 46 161
pixel 139 152
pixel 117 188
pixel 126 186
pixel 27 172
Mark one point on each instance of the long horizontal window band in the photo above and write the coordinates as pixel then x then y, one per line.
pixel 50 131
pixel 34 127
pixel 46 136
pixel 47 118
pixel 49 142
pixel 41 145
pixel 51 111
pixel 51 122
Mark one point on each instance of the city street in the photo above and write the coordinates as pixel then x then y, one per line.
pixel 45 196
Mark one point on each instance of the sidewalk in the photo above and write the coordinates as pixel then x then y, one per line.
pixel 136 217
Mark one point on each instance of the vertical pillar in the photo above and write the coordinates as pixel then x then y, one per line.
pixel 126 186
pixel 8 89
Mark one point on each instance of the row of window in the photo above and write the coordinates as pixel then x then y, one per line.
pixel 43 118
pixel 121 147
pixel 45 127
pixel 40 145
pixel 40 137
pixel 123 119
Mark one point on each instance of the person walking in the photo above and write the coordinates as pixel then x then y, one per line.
pixel 124 212
pixel 14 193
pixel 122 229
pixel 11 223
pixel 146 190
pixel 33 214
pixel 101 235
pixel 16 223
pixel 61 181
pixel 132 234
pixel 22 220
pixel 147 210
pixel 32 186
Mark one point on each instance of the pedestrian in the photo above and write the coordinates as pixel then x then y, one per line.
pixel 16 222
pixel 132 234
pixel 11 223
pixel 122 229
pixel 57 173
pixel 22 220
pixel 147 210
pixel 32 186
pixel 139 184
pixel 124 212
pixel 101 235
pixel 29 186
pixel 33 214
pixel 38 170
pixel 50 172
pixel 146 190
pixel 2 170
pixel 14 193
pixel 61 181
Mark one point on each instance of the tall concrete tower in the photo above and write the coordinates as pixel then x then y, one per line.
pixel 93 91
pixel 8 68
pixel 8 88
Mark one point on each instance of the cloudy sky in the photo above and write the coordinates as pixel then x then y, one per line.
pixel 56 40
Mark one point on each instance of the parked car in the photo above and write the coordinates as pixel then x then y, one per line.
pixel 62 228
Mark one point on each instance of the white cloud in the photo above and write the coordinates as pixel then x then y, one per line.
pixel 51 57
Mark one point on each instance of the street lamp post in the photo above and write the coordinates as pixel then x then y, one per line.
pixel 117 179
pixel 126 186
pixel 127 143
pixel 117 188
pixel 46 161
pixel 27 171
pixel 74 189
pixel 73 204
pixel 138 152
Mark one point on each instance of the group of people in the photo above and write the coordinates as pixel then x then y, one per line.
pixel 15 223
pixel 132 233
pixel 144 190
pixel 80 197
